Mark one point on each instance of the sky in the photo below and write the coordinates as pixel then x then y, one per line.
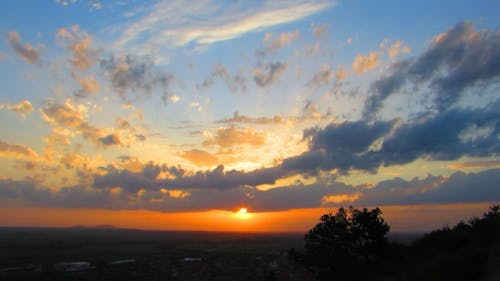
pixel 176 114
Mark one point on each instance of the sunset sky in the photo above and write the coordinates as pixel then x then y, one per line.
pixel 176 114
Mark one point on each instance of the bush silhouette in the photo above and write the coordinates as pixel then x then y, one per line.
pixel 347 243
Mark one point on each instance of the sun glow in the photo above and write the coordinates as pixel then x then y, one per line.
pixel 243 213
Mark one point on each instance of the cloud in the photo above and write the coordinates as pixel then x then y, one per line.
pixel 26 52
pixel 322 77
pixel 111 139
pixel 364 145
pixel 268 74
pixel 456 60
pixel 397 48
pixel 16 150
pixel 366 63
pixel 169 96
pixel 88 85
pixel 174 23
pixel 196 105
pixel 24 107
pixel 235 83
pixel 200 157
pixel 475 165
pixel 238 118
pixel 72 116
pixel 320 30
pixel 440 137
pixel 134 76
pixel 208 191
pixel 231 136
pixel 309 113
pixel 78 43
pixel 93 5
pixel 282 40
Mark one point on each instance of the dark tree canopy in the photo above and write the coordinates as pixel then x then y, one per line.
pixel 347 240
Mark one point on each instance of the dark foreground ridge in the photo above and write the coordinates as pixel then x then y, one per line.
pixel 468 251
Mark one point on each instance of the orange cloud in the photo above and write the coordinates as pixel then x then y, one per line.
pixel 16 150
pixel 366 63
pixel 79 44
pixel 89 85
pixel 24 107
pixel 200 157
pixel 397 48
pixel 475 165
pixel 230 136
pixel 72 116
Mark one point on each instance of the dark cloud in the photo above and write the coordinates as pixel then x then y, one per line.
pixel 235 83
pixel 323 77
pixel 111 139
pixel 266 75
pixel 446 136
pixel 240 118
pixel 133 77
pixel 457 60
pixel 177 178
pixel 459 187
pixel 340 146
pixel 348 146
pixel 26 52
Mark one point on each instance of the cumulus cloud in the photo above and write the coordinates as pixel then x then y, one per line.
pixel 365 145
pixel 16 150
pixel 455 61
pixel 78 42
pixel 366 63
pixel 231 136
pixel 72 116
pixel 24 107
pixel 27 52
pixel 266 75
pixel 134 77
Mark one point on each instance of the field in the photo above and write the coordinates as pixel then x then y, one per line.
pixel 120 254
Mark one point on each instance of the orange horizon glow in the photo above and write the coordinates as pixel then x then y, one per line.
pixel 400 218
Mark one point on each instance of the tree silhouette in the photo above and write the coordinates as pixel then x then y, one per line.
pixel 346 243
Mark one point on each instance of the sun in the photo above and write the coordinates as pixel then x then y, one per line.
pixel 243 213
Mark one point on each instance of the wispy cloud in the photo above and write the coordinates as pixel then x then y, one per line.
pixel 178 23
